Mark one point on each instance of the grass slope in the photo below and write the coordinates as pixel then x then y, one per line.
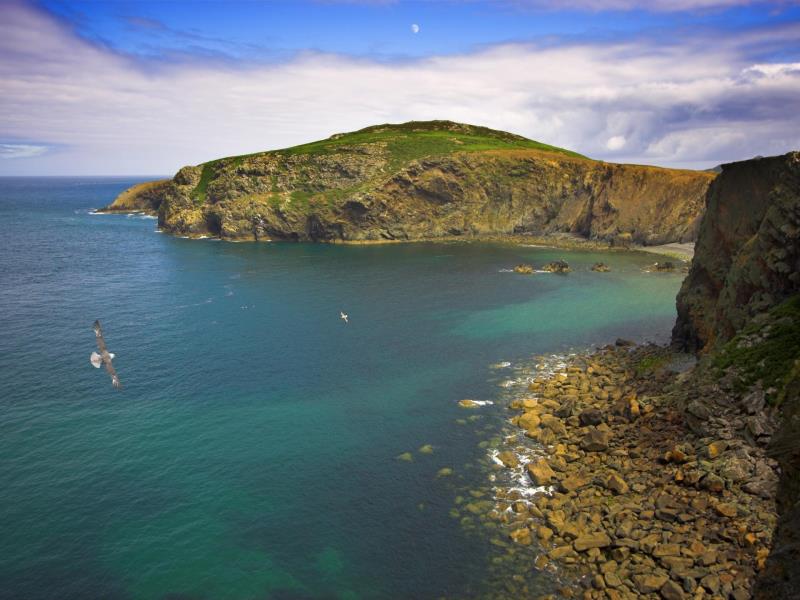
pixel 405 143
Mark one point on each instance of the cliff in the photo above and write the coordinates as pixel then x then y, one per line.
pixel 423 180
pixel 747 257
pixel 740 308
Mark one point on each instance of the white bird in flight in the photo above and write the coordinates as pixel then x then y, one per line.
pixel 343 317
pixel 105 357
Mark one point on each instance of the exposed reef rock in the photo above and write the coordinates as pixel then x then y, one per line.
pixel 420 181
pixel 524 269
pixel 747 257
pixel 557 266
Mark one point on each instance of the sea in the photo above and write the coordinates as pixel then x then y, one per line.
pixel 252 451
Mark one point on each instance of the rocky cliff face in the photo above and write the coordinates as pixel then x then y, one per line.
pixel 740 307
pixel 747 257
pixel 427 180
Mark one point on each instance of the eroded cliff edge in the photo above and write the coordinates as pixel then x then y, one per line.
pixel 424 180
pixel 740 308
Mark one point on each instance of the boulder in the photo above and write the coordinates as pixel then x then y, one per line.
pixel 595 440
pixel 616 484
pixel 672 591
pixel 540 472
pixel 590 416
pixel 568 407
pixel 699 410
pixel 754 402
pixel 554 424
pixel 509 459
pixel 713 483
pixel 649 583
pixel 528 420
pixel 726 509
pixel 573 483
pixel 591 540
pixel 600 267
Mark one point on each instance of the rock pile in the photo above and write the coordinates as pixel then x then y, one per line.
pixel 644 500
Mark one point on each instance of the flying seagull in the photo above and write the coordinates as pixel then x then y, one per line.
pixel 104 357
pixel 343 317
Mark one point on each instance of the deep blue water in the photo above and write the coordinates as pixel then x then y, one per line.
pixel 251 451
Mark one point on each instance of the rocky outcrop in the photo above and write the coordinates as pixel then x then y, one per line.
pixel 143 197
pixel 747 257
pixel 401 183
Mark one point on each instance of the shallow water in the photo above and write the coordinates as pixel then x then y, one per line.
pixel 252 451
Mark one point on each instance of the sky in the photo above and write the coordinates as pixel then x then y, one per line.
pixel 143 88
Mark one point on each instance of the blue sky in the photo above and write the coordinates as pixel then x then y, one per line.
pixel 276 30
pixel 145 87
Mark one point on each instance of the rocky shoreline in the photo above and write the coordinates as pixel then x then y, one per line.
pixel 631 495
pixel 557 240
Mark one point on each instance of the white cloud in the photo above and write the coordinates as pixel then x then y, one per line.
pixel 21 150
pixel 616 142
pixel 644 5
pixel 691 103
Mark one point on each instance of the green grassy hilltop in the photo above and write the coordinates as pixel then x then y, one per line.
pixel 420 180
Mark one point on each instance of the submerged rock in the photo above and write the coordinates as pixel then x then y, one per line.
pixel 601 267
pixel 509 459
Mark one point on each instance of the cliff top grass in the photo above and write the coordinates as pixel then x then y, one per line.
pixel 404 143
pixel 414 140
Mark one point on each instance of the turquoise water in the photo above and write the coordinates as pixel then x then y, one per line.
pixel 252 450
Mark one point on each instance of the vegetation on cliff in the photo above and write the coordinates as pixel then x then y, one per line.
pixel 422 180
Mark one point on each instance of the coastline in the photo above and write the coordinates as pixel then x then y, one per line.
pixel 564 241
pixel 627 495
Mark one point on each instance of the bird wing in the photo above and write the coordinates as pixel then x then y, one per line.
pixel 101 345
pixel 111 371
pixel 98 334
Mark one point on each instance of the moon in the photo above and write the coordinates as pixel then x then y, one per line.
pixel 414 28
